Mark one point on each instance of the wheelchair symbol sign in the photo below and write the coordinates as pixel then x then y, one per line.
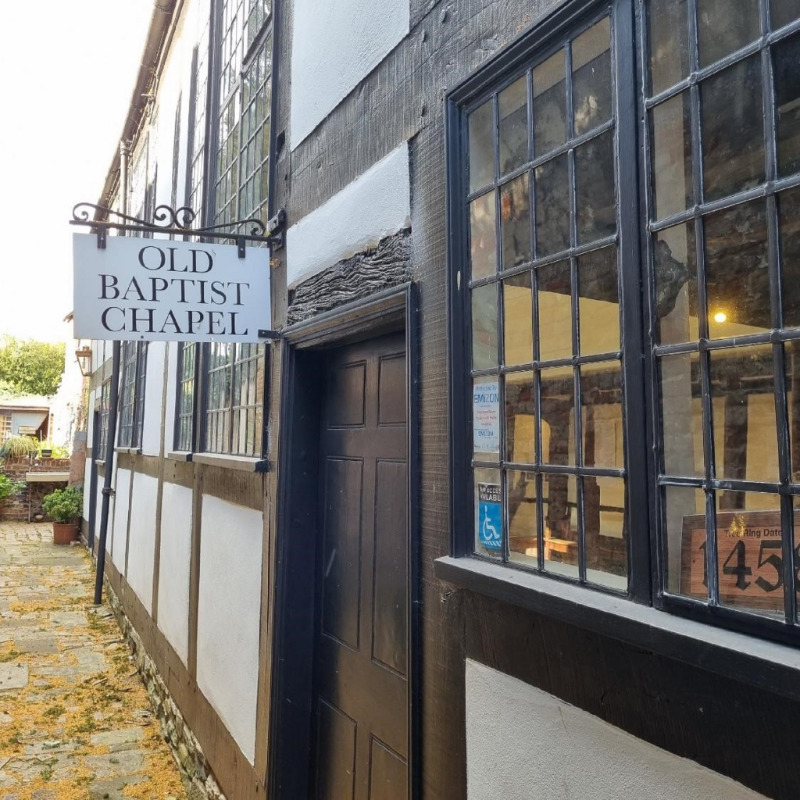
pixel 490 517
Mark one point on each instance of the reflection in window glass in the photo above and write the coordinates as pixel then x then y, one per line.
pixel 518 320
pixel 552 207
pixel 724 26
pixel 591 77
pixel 483 236
pixel 601 407
pixel 520 410
pixel 742 386
pixel 522 516
pixel 481 150
pixel 513 103
pixel 606 536
pixel 670 125
pixel 786 58
pixel 681 415
pixel 516 221
pixel 789 208
pixel 557 390
pixel 733 130
pixel 783 12
pixel 594 176
pixel 792 356
pixel 669 43
pixel 737 279
pixel 549 104
pixel 554 324
pixel 599 302
pixel 560 513
pixel 484 327
pixel 675 261
pixel 685 540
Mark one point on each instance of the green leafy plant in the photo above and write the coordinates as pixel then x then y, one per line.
pixel 63 505
pixel 56 450
pixel 19 446
pixel 9 487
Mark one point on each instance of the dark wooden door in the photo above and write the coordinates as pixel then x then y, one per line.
pixel 361 636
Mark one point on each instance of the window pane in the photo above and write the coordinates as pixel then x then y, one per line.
pixel 549 104
pixel 484 327
pixel 513 126
pixel 518 320
pixel 675 259
pixel 488 513
pixel 516 221
pixel 750 553
pixel 481 150
pixel 670 125
pixel 681 415
pixel 483 236
pixel 746 441
pixel 733 129
pixel 599 302
pixel 557 432
pixel 789 206
pixel 486 419
pixel 560 511
pixel 591 77
pixel 724 26
pixel 684 513
pixel 594 176
pixel 554 324
pixel 601 407
pixel 552 207
pixel 605 532
pixel 783 12
pixel 737 278
pixel 669 48
pixel 522 517
pixel 786 66
pixel 520 409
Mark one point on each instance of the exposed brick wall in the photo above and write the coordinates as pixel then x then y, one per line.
pixel 16 506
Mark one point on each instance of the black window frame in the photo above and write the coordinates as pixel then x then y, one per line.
pixel 641 421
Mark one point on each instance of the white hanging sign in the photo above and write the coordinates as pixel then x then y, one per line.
pixel 486 417
pixel 160 290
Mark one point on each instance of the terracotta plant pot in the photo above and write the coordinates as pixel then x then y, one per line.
pixel 64 532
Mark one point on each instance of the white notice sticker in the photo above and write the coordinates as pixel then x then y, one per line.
pixel 486 417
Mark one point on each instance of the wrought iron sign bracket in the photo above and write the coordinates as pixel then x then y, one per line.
pixel 178 222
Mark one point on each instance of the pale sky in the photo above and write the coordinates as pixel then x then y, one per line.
pixel 67 69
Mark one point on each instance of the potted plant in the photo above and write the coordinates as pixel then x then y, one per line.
pixel 64 507
pixel 19 447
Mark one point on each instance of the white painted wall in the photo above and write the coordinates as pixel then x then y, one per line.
pixel 525 744
pixel 142 540
pixel 87 472
pixel 375 205
pixel 118 535
pixel 335 46
pixel 153 391
pixel 228 615
pixel 174 566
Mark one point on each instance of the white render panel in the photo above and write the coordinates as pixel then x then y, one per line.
pixel 174 567
pixel 153 392
pixel 525 744
pixel 228 615
pixel 375 205
pixel 143 538
pixel 87 472
pixel 119 536
pixel 334 47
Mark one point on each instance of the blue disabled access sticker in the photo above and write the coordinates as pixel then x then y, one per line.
pixel 490 516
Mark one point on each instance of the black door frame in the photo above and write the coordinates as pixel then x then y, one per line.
pixel 303 348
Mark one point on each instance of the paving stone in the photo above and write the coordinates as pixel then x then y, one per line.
pixel 68 618
pixel 13 676
pixel 39 644
pixel 112 739
pixel 113 789
pixel 113 765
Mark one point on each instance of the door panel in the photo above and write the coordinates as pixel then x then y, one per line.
pixel 361 640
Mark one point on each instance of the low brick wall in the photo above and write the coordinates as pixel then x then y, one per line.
pixel 16 506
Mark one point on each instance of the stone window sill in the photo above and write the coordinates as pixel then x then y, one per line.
pixel 240 463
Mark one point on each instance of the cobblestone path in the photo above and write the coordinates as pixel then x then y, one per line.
pixel 75 720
